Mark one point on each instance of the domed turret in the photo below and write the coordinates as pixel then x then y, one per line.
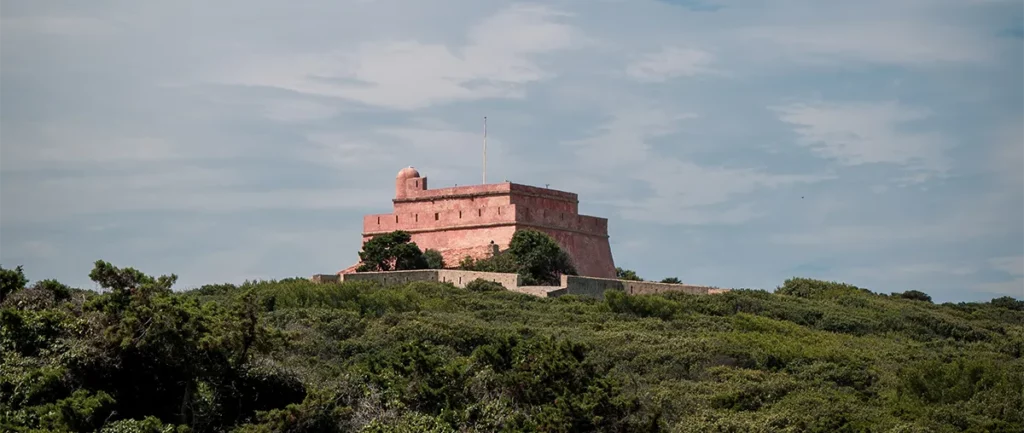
pixel 407 173
pixel 404 182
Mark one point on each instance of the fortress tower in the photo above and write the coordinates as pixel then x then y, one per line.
pixel 465 220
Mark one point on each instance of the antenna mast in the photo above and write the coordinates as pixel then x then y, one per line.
pixel 485 151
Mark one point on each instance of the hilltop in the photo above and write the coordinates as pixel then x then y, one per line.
pixel 297 356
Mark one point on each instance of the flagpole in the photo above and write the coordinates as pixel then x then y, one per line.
pixel 485 151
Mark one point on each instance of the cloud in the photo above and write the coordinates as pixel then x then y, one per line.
pixel 669 63
pixel 1010 266
pixel 179 189
pixel 1006 157
pixel 856 133
pixel 184 142
pixel 888 42
pixel 1013 265
pixel 67 26
pixel 680 191
pixel 496 62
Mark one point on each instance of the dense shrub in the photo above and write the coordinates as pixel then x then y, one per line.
pixel 534 255
pixel 914 295
pixel 807 288
pixel 295 356
pixel 481 285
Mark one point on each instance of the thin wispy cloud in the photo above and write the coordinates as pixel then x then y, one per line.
pixel 729 142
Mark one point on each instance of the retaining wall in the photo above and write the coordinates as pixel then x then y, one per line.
pixel 457 277
pixel 570 284
pixel 589 286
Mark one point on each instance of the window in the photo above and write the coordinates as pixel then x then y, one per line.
pixel 416 217
pixel 479 212
pixel 460 214
pixel 378 220
pixel 396 218
pixel 435 216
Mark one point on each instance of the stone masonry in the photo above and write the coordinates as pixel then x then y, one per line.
pixel 570 284
pixel 471 220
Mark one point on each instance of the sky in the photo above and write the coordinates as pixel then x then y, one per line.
pixel 729 143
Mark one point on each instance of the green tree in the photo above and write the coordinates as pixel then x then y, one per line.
pixel 672 280
pixel 539 257
pixel 627 274
pixel 393 251
pixel 914 295
pixel 433 258
pixel 11 280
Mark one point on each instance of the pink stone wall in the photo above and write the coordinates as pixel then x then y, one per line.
pixel 461 221
pixel 591 254
pixel 429 218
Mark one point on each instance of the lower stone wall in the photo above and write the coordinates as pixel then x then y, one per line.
pixel 541 291
pixel 460 278
pixel 570 284
pixel 395 278
pixel 588 286
pixel 392 278
pixel 326 278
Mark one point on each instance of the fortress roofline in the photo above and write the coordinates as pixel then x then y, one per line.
pixel 417 193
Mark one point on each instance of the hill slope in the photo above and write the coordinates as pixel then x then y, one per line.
pixel 296 356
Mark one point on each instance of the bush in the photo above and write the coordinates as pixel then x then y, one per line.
pixel 433 258
pixel 295 356
pixel 482 285
pixel 11 280
pixel 807 288
pixel 535 256
pixel 914 295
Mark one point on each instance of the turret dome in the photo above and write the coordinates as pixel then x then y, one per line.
pixel 407 173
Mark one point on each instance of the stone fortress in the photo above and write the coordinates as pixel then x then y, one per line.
pixel 477 220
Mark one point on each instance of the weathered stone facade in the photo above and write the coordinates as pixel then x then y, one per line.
pixel 466 220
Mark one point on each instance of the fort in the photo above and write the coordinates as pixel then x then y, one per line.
pixel 479 220
pixel 474 220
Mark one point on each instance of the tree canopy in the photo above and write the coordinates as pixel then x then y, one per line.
pixel 393 251
pixel 627 274
pixel 534 255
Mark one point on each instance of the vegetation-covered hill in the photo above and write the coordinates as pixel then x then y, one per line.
pixel 293 356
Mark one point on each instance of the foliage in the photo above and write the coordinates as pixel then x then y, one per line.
pixel 433 258
pixel 809 288
pixel 534 255
pixel 672 280
pixel 914 295
pixel 627 274
pixel 393 251
pixel 481 285
pixel 295 356
pixel 11 280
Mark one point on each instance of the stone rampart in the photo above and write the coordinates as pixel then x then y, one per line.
pixel 392 278
pixel 326 278
pixel 455 276
pixel 589 286
pixel 570 284
pixel 460 278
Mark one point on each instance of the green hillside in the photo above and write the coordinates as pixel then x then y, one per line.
pixel 293 356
